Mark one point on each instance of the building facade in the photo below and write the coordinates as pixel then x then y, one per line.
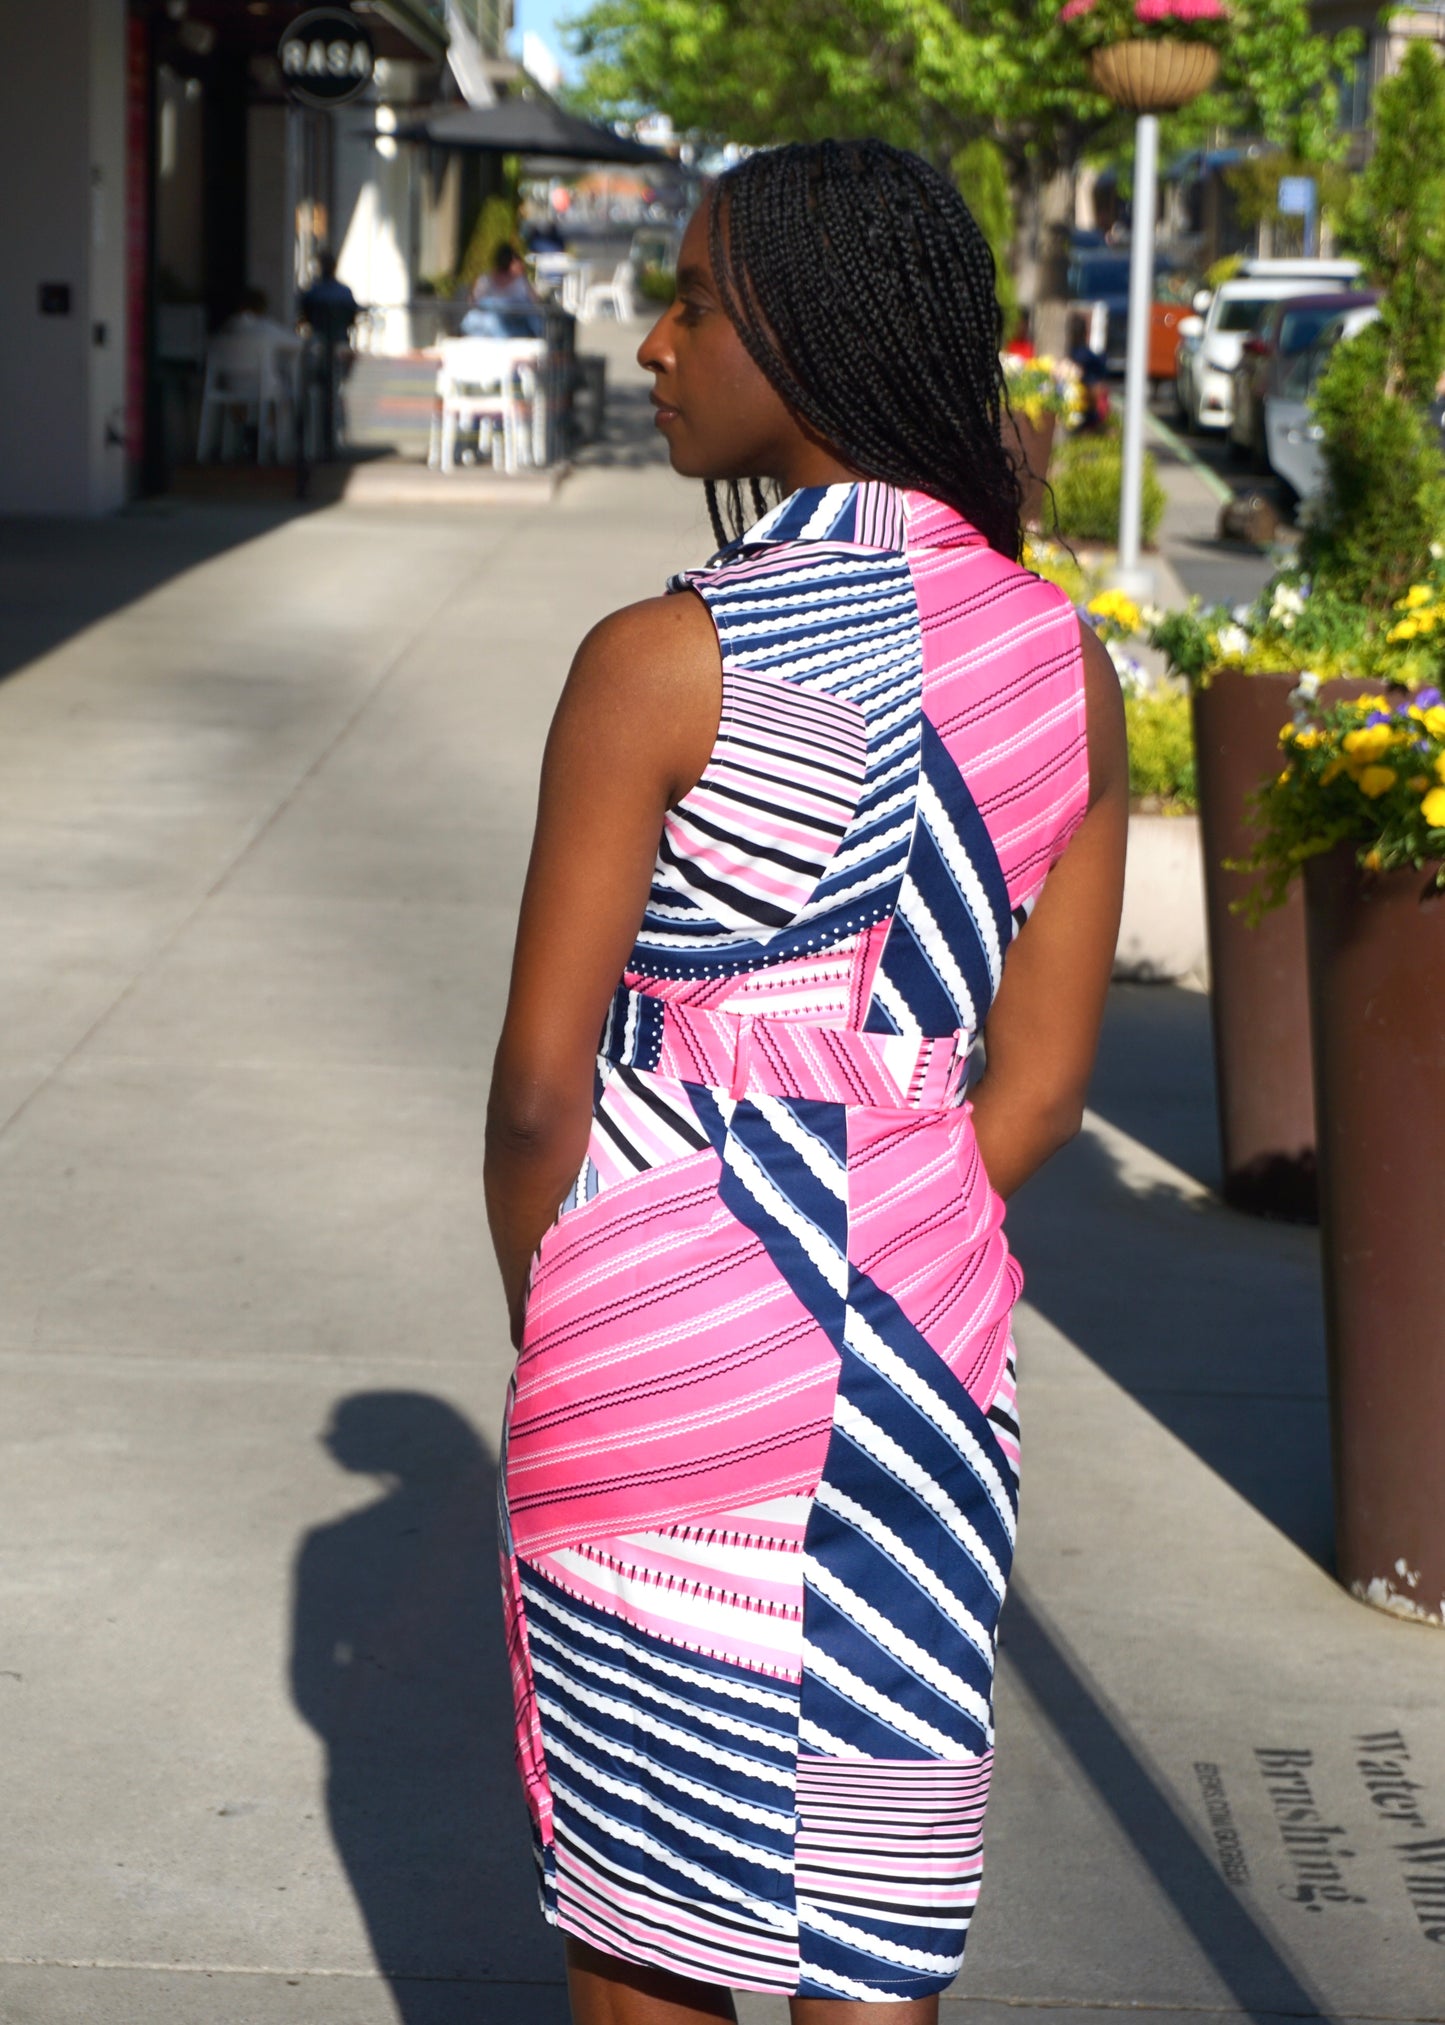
pixel 160 174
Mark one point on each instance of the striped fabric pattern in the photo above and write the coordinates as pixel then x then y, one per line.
pixel 886 1848
pixel 762 1446
pixel 838 624
pixel 744 855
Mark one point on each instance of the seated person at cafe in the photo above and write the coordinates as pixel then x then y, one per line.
pixel 504 302
pixel 545 236
pixel 253 319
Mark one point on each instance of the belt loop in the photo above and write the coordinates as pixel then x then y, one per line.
pixel 742 1056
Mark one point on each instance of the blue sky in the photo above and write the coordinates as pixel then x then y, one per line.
pixel 542 16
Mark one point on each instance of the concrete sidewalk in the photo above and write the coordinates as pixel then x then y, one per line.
pixel 265 787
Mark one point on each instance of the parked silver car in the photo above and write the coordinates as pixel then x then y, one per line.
pixel 1288 328
pixel 1291 433
pixel 1211 343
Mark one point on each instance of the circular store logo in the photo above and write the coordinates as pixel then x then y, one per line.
pixel 326 57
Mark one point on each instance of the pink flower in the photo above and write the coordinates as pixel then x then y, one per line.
pixel 1179 10
pixel 1075 9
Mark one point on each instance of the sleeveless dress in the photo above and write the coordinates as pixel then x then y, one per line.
pixel 760 1473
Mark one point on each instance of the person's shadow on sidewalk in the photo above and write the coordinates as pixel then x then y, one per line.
pixel 398 1664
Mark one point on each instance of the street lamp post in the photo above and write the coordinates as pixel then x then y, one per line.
pixel 1149 75
pixel 1133 575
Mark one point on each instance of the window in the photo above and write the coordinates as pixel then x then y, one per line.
pixel 1300 327
pixel 1241 312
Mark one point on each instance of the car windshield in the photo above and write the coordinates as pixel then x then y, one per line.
pixel 1102 274
pixel 1300 327
pixel 1097 275
pixel 1302 375
pixel 1241 312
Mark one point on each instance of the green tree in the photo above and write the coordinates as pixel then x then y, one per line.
pixel 1384 501
pixel 933 74
pixel 982 180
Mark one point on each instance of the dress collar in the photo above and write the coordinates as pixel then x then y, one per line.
pixel 865 513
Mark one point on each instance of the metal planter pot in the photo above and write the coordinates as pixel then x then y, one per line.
pixel 1377 988
pixel 1258 996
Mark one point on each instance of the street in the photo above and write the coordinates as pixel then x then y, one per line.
pixel 266 781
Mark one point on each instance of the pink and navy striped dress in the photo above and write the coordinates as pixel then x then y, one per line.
pixel 761 1470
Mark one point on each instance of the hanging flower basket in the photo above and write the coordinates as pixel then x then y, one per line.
pixel 1149 55
pixel 1149 76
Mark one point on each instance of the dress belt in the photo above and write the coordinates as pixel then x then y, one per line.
pixel 749 1055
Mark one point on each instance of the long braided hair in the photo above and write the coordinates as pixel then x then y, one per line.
pixel 861 285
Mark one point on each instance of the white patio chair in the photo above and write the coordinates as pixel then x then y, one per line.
pixel 615 295
pixel 487 382
pixel 250 383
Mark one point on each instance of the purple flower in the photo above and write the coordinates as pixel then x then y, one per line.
pixel 1426 699
pixel 1378 717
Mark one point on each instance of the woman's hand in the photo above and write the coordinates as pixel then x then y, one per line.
pixel 633 732
pixel 1043 1027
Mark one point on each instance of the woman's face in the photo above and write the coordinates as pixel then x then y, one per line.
pixel 721 415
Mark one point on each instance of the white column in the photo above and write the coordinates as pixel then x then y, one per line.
pixel 62 225
pixel 1132 575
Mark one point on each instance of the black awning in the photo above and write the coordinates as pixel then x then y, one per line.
pixel 524 126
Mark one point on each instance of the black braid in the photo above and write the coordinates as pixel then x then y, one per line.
pixel 861 285
pixel 731 519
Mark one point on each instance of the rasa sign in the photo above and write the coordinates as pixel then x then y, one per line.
pixel 326 57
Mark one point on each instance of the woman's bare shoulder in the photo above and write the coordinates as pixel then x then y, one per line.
pixel 655 664
pixel 655 639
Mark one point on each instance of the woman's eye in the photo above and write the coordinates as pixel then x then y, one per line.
pixel 690 311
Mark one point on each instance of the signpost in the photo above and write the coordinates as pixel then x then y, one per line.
pixel 1297 199
pixel 327 58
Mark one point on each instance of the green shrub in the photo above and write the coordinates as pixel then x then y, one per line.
pixel 1384 501
pixel 496 227
pixel 657 284
pixel 1054 563
pixel 981 174
pixel 1087 479
pixel 1161 750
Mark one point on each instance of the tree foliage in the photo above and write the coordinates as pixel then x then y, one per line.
pixel 1397 222
pixel 982 180
pixel 934 74
pixel 1384 503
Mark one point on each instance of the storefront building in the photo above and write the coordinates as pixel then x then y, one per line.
pixel 162 170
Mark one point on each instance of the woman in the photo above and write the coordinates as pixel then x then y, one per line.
pixel 504 302
pixel 761 1466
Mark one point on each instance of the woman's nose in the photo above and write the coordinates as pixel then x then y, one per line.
pixel 654 354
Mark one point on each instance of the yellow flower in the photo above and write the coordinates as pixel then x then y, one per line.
pixel 1417 595
pixel 1121 609
pixel 1372 861
pixel 1440 765
pixel 1417 783
pixel 1434 720
pixel 1375 781
pixel 1366 704
pixel 1433 808
pixel 1284 779
pixel 1403 629
pixel 1368 742
pixel 1333 771
pixel 1306 740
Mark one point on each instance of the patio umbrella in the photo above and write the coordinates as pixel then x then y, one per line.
pixel 524 126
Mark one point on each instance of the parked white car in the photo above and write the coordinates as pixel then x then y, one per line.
pixel 1212 341
pixel 1291 433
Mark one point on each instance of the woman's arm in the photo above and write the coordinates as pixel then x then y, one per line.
pixel 633 732
pixel 1043 1026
